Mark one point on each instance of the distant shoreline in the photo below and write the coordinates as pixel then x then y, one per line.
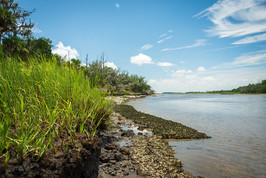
pixel 173 93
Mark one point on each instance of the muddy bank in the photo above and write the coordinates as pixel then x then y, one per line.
pixel 80 159
pixel 125 149
pixel 165 128
pixel 131 152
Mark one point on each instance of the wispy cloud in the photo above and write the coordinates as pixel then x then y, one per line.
pixel 249 60
pixel 63 51
pixel 162 40
pixel 146 46
pixel 169 31
pixel 162 35
pixel 246 60
pixel 117 5
pixel 252 39
pixel 228 47
pixel 236 18
pixel 200 42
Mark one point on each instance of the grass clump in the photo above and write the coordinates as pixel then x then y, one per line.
pixel 165 128
pixel 41 102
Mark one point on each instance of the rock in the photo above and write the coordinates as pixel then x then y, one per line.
pixel 112 161
pixel 118 156
pixel 154 157
pixel 104 158
pixel 141 127
pixel 127 133
pixel 59 155
pixel 124 151
pixel 111 146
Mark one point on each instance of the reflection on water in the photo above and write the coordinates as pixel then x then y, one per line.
pixel 237 124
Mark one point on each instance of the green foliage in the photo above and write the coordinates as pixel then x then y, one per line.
pixel 13 19
pixel 1 52
pixel 252 88
pixel 116 82
pixel 39 104
pixel 26 48
pixel 258 88
pixel 40 47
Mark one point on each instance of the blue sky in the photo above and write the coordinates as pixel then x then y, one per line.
pixel 177 45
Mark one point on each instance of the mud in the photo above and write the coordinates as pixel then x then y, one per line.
pixel 80 160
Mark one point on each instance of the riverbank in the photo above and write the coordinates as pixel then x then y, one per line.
pixel 124 149
pixel 132 149
pixel 128 151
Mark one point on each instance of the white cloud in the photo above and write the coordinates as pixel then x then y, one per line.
pixel 252 39
pixel 144 59
pixel 63 51
pixel 199 42
pixel 111 64
pixel 141 59
pixel 146 46
pixel 181 73
pixel 170 31
pixel 164 64
pixel 201 69
pixel 162 40
pixel 117 5
pixel 235 18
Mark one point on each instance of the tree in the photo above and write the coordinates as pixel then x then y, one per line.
pixel 13 19
pixel 1 52
pixel 40 46
pixel 14 45
pixel 75 63
pixel 17 46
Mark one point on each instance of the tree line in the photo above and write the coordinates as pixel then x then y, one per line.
pixel 252 88
pixel 257 88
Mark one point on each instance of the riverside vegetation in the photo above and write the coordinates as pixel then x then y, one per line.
pixel 49 108
pixel 52 109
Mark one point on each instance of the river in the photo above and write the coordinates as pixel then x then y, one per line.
pixel 236 123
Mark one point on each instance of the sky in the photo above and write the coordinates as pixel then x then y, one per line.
pixel 177 45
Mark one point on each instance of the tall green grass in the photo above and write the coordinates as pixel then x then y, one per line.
pixel 41 101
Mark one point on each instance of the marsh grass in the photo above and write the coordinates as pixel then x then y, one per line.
pixel 41 101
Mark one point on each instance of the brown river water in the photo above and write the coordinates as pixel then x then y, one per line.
pixel 236 123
